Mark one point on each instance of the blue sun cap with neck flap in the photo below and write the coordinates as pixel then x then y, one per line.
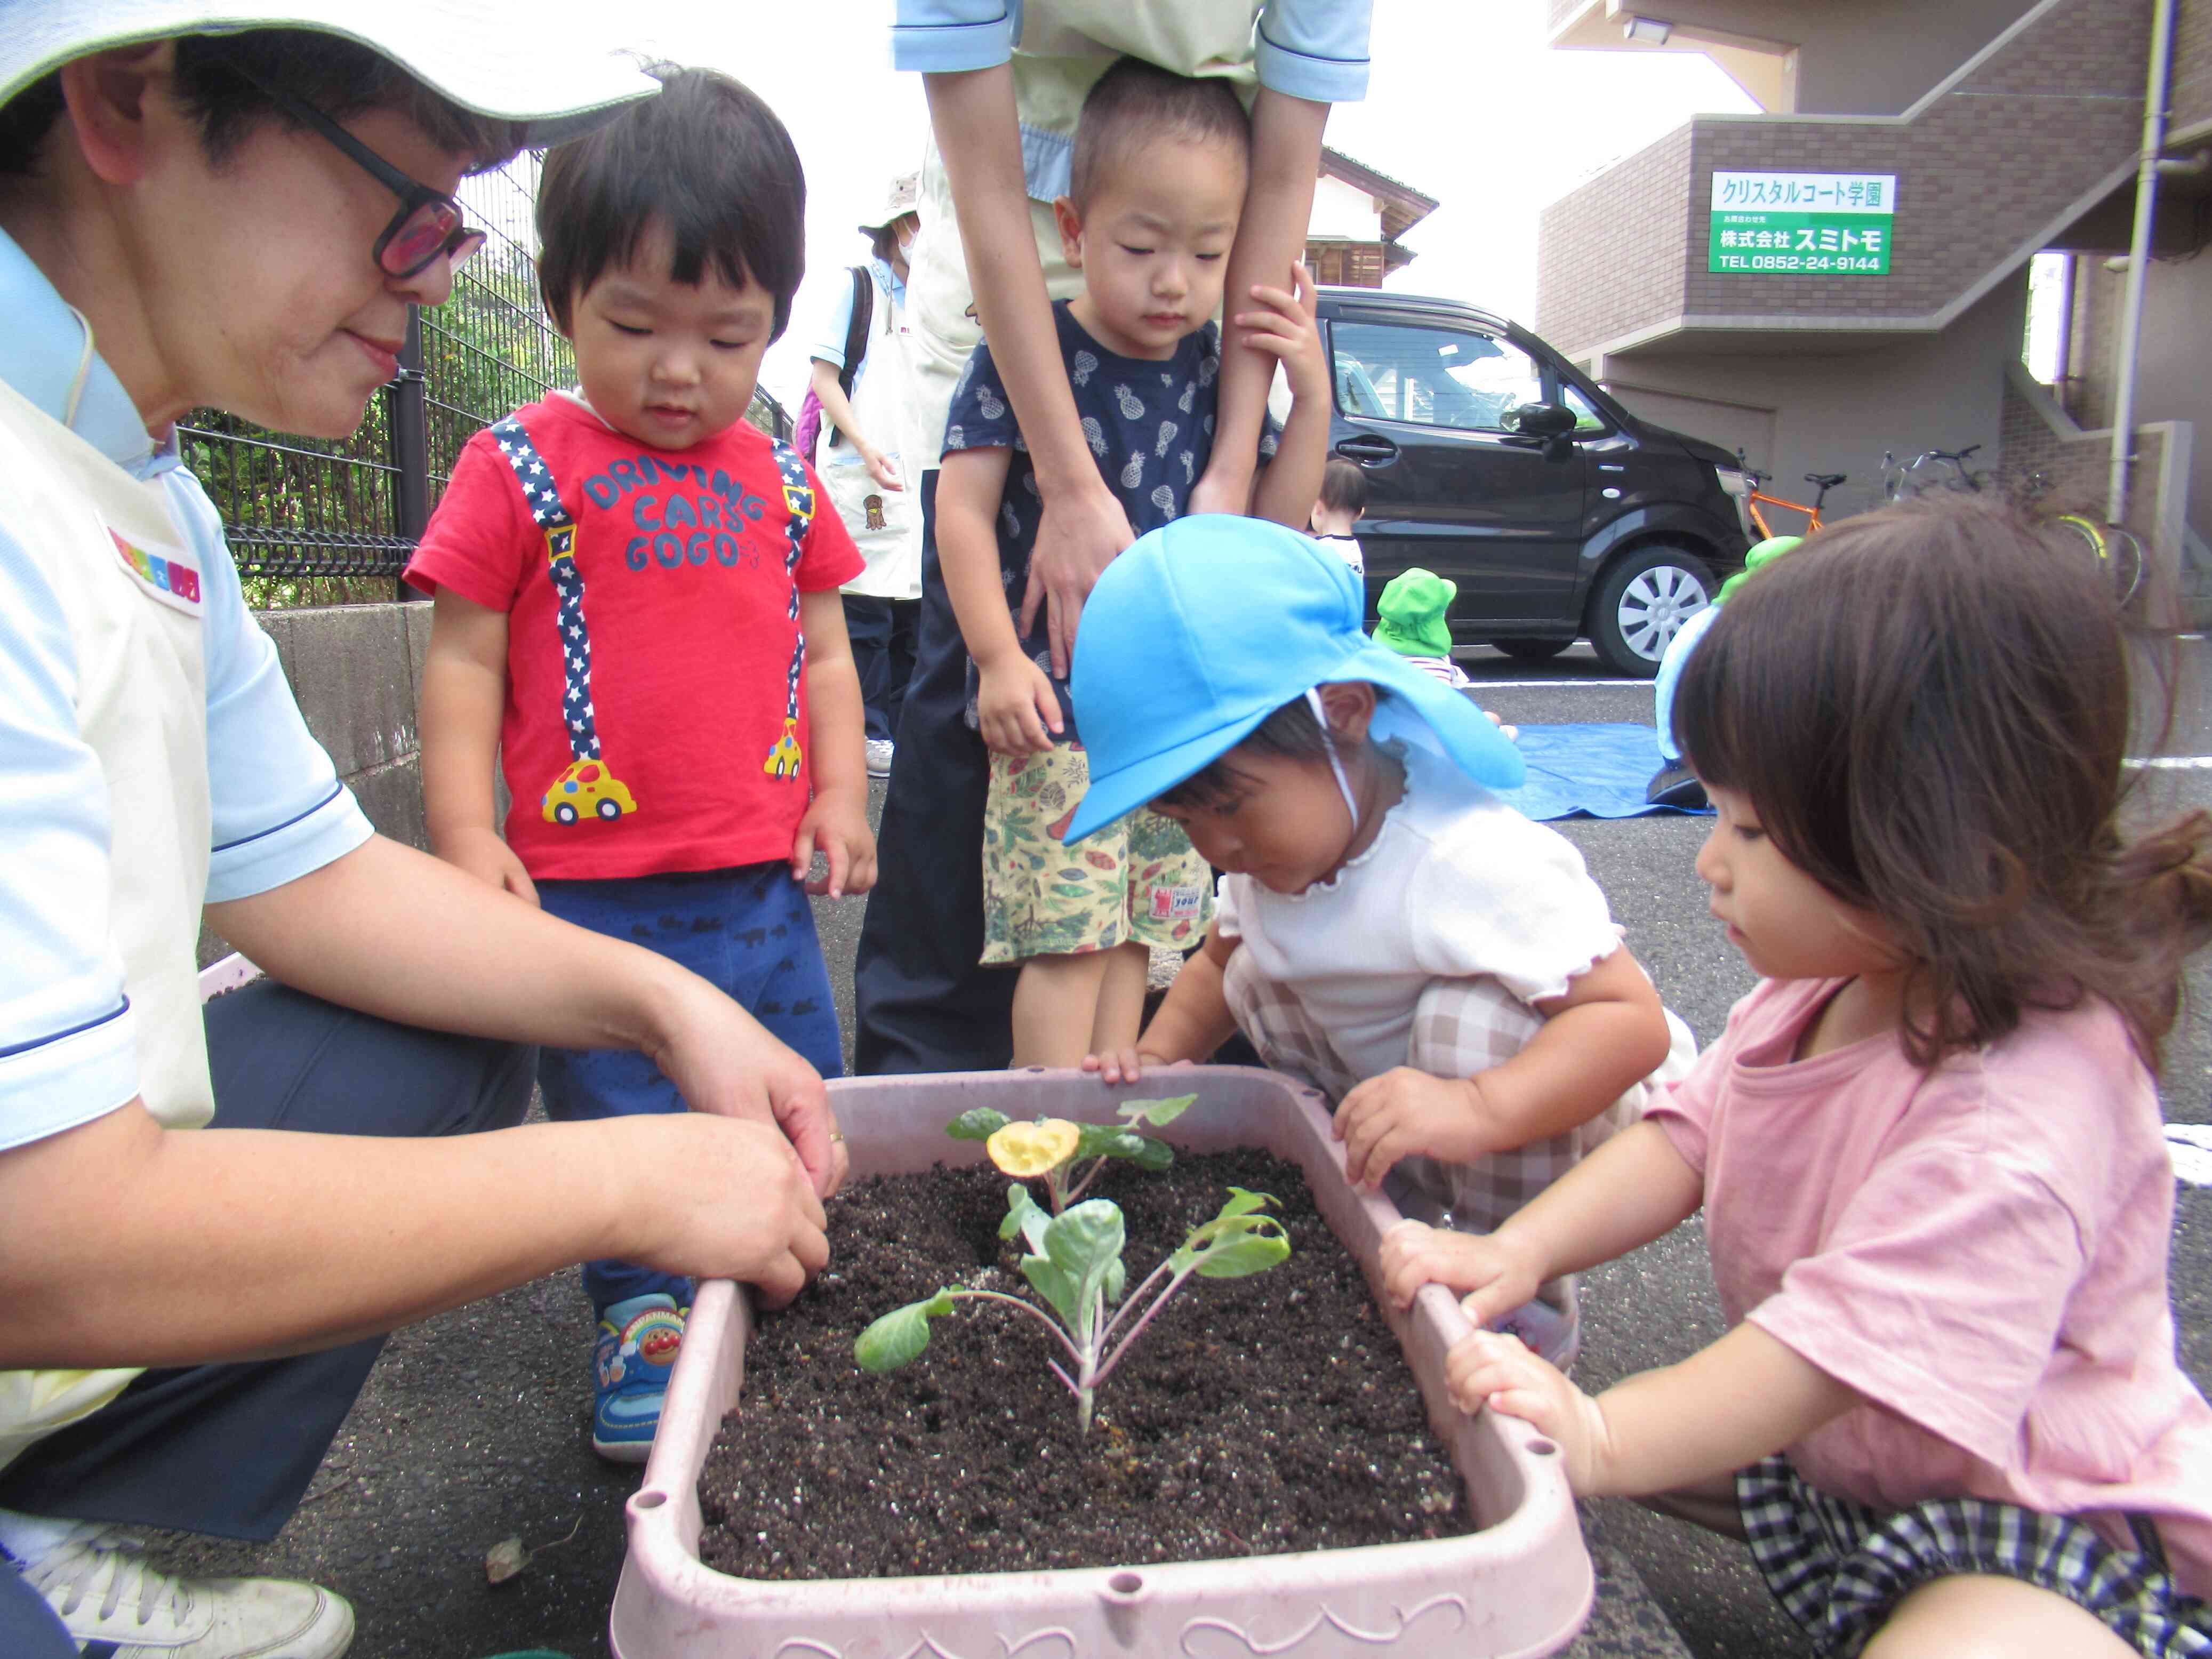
pixel 1206 626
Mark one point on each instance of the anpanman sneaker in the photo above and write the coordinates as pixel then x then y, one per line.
pixel 116 1605
pixel 636 1350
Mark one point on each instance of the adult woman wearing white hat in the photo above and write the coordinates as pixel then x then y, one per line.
pixel 869 459
pixel 234 206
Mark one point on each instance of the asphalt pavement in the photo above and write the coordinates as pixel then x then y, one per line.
pixel 474 1426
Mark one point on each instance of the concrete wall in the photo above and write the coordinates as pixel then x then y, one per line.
pixel 2172 383
pixel 356 671
pixel 1796 414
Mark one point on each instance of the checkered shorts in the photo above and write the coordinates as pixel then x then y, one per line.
pixel 1839 1569
pixel 1461 1026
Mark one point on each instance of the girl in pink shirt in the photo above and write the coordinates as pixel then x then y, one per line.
pixel 1947 1415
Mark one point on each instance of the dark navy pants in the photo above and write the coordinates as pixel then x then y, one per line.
pixel 226 1450
pixel 747 931
pixel 882 635
pixel 923 1003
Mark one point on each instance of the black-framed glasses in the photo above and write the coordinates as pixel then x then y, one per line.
pixel 428 222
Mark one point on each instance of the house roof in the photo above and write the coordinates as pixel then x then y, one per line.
pixel 1403 207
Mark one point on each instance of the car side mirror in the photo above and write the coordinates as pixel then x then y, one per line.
pixel 1545 421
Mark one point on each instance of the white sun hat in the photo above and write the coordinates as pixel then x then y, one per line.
pixel 494 57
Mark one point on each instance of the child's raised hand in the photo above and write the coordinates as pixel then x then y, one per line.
pixel 1492 1369
pixel 1490 1272
pixel 1405 1113
pixel 1286 330
pixel 1015 708
pixel 836 825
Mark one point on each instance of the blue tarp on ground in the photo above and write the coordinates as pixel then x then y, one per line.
pixel 1597 769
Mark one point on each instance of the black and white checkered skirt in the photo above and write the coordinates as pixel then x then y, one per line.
pixel 1839 1569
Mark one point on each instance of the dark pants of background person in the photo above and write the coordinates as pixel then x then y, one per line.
pixel 923 1005
pixel 882 635
pixel 228 1450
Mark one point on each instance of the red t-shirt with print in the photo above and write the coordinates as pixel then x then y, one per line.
pixel 649 694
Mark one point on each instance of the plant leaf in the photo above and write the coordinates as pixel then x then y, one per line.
pixel 1119 1140
pixel 1025 1150
pixel 976 1123
pixel 1158 1113
pixel 1024 1216
pixel 504 1559
pixel 1082 1247
pixel 899 1335
pixel 1239 1258
pixel 1236 1241
pixel 1242 1202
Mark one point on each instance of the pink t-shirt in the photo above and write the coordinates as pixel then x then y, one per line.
pixel 1979 1251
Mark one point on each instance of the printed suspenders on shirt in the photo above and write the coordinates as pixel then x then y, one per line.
pixel 585 786
pixel 784 760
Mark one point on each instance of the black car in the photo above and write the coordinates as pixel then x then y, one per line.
pixel 1489 459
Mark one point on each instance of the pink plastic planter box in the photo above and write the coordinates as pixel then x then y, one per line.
pixel 1522 1586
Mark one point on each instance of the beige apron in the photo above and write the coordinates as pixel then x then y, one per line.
pixel 885 524
pixel 120 568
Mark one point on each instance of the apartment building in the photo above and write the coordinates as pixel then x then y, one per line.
pixel 1846 272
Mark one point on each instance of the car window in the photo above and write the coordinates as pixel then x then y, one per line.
pixel 1587 419
pixel 1446 377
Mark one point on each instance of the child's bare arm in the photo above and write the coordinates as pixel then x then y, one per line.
pixel 1748 1396
pixel 1281 324
pixel 1018 707
pixel 1193 1021
pixel 836 822
pixel 463 698
pixel 1605 1033
pixel 1634 1188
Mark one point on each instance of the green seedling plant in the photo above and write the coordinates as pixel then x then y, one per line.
pixel 1069 1156
pixel 1075 1264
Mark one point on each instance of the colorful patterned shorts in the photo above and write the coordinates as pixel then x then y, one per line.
pixel 1140 879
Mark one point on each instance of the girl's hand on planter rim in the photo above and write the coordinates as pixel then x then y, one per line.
pixel 1489 1272
pixel 1492 1369
pixel 1125 1065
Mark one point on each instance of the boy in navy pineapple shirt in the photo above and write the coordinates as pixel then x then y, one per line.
pixel 1156 191
pixel 638 610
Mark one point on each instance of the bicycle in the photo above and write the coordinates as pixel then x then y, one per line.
pixel 1824 482
pixel 2116 550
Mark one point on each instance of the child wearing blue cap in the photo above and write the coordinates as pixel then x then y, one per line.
pixel 1388 930
pixel 1156 185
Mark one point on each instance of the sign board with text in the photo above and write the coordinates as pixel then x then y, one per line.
pixel 1802 224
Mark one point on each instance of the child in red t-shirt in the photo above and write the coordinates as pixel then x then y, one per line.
pixel 638 612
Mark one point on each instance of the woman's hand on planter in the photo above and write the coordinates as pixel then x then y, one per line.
pixel 725 1062
pixel 717 1198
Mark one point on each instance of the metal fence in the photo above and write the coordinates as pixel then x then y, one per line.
pixel 305 508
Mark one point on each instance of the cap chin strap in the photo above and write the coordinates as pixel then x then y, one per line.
pixel 1335 765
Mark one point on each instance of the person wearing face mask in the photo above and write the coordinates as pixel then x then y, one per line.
pixel 867 460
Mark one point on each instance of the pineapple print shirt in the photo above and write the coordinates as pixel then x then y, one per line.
pixel 1150 424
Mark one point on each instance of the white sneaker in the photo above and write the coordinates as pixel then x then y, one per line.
pixel 879 757
pixel 112 1603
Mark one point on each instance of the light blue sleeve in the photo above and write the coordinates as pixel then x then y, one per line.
pixel 836 320
pixel 1671 663
pixel 938 37
pixel 67 1051
pixel 1315 49
pixel 279 810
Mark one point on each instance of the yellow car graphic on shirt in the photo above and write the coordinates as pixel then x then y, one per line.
pixel 587 787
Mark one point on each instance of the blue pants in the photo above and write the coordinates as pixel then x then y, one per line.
pixel 924 1002
pixel 882 635
pixel 747 931
pixel 228 1450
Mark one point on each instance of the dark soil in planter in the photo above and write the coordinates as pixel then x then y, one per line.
pixel 1253 1417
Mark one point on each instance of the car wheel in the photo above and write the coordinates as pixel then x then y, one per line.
pixel 610 809
pixel 1532 650
pixel 565 813
pixel 1641 604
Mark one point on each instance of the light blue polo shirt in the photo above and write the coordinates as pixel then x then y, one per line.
pixel 836 318
pixel 67 1051
pixel 1310 49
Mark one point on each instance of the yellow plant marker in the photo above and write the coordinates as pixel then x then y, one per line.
pixel 1023 1149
